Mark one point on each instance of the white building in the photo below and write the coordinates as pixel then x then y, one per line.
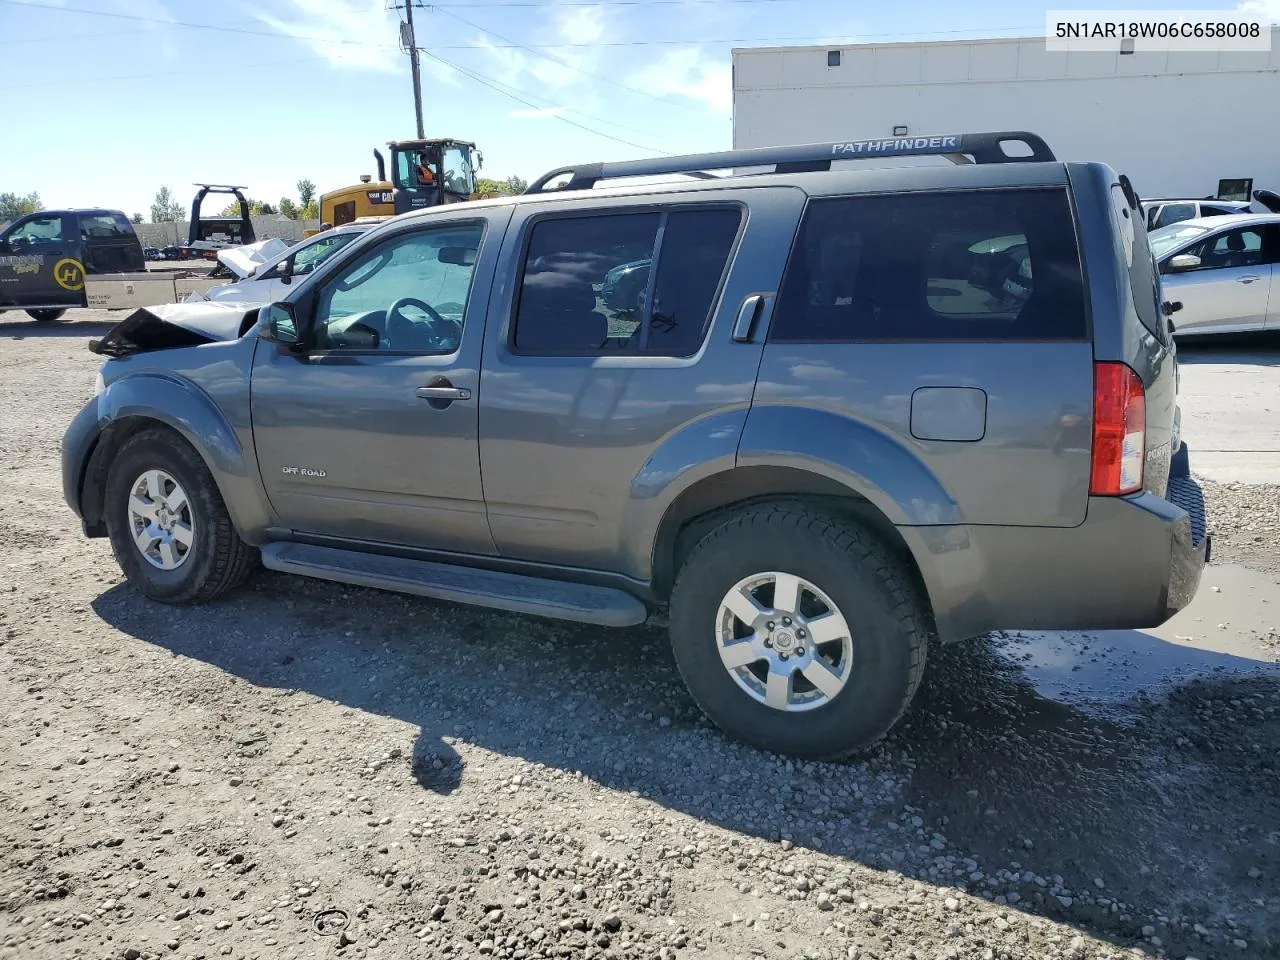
pixel 1175 122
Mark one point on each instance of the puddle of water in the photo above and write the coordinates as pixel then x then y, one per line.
pixel 1231 630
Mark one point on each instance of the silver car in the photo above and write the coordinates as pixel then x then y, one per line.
pixel 1223 272
pixel 269 279
pixel 1164 212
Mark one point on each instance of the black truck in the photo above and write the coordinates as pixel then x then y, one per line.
pixel 46 256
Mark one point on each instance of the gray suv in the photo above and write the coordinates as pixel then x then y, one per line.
pixel 824 416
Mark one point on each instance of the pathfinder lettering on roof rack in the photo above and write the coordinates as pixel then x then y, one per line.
pixel 862 147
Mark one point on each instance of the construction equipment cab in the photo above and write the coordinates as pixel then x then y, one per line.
pixel 424 173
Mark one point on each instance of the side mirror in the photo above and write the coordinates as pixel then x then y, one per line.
pixel 286 270
pixel 1183 262
pixel 1170 307
pixel 277 323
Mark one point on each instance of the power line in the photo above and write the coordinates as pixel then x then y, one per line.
pixel 602 3
pixel 220 28
pixel 566 64
pixel 185 71
pixel 495 86
pixel 508 44
pixel 516 92
pixel 64 37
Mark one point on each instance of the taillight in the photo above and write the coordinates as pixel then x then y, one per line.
pixel 1119 430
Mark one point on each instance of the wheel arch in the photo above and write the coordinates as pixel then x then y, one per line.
pixel 134 404
pixel 706 503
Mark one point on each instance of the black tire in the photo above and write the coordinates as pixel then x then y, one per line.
pixel 218 560
pixel 888 623
pixel 45 314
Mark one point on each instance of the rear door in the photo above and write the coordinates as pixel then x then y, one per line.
pixel 954 324
pixel 596 362
pixel 109 243
pixel 40 264
pixel 1231 289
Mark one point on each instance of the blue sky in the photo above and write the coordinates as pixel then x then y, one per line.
pixel 103 101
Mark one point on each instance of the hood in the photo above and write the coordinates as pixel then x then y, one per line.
pixel 169 325
pixel 242 261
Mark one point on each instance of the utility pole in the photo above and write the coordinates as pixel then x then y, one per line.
pixel 410 43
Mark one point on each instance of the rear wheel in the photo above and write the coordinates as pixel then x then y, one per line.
pixel 798 632
pixel 169 529
pixel 45 314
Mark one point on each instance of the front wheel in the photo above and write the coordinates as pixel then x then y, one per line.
pixel 45 314
pixel 798 632
pixel 169 528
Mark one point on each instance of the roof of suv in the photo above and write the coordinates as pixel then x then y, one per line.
pixel 978 160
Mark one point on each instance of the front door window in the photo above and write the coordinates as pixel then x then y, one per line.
pixel 38 230
pixel 407 295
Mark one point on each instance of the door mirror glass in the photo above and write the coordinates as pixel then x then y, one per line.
pixel 277 323
pixel 1183 262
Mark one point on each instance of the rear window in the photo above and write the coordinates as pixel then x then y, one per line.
pixel 989 265
pixel 106 225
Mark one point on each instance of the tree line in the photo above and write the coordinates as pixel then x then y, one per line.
pixel 166 208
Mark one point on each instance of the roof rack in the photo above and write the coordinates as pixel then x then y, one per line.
pixel 803 158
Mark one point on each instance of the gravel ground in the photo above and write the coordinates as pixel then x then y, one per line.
pixel 218 781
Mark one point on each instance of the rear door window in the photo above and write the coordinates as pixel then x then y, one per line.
pixel 999 265
pixel 105 226
pixel 588 287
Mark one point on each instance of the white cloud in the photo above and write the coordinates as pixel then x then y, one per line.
pixel 358 34
pixel 153 10
pixel 583 25
pixel 561 73
pixel 1270 7
pixel 538 114
pixel 685 72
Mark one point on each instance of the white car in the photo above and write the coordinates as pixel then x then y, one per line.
pixel 265 270
pixel 1223 272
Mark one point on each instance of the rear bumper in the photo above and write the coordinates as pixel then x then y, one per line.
pixel 1133 563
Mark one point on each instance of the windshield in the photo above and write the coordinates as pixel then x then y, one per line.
pixel 459 175
pixel 1166 238
pixel 417 169
pixel 311 256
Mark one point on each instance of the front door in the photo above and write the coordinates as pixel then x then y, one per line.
pixel 39 266
pixel 1231 288
pixel 368 433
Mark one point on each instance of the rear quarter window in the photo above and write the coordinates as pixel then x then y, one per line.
pixel 1135 251
pixel 109 226
pixel 978 265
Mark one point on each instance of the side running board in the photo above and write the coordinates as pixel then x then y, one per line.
pixel 517 593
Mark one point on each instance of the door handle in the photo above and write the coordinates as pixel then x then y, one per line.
pixel 749 314
pixel 444 393
pixel 1245 279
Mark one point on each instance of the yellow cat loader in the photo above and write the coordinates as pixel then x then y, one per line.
pixel 424 173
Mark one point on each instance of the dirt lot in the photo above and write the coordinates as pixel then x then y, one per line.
pixel 209 782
